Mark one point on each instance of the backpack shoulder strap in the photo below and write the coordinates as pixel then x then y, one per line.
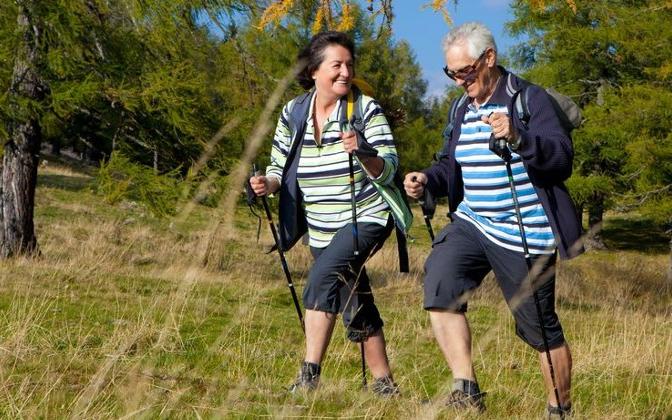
pixel 450 123
pixel 519 95
pixel 354 106
pixel 452 114
pixel 521 103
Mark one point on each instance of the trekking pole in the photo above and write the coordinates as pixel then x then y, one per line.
pixel 255 170
pixel 425 212
pixel 355 234
pixel 353 201
pixel 506 155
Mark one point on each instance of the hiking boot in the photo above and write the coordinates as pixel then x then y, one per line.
pixel 462 401
pixel 308 378
pixel 558 413
pixel 385 387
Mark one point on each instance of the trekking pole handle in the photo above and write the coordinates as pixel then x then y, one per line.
pixel 421 199
pixel 425 213
pixel 502 143
pixel 499 146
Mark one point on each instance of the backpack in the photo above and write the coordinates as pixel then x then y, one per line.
pixel 394 194
pixel 566 109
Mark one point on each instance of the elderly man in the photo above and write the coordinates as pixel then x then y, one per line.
pixel 488 213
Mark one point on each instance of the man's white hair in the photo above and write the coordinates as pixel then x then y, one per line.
pixel 475 35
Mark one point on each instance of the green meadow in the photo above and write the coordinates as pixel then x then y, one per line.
pixel 119 317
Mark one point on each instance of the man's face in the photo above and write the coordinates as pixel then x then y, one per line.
pixel 470 72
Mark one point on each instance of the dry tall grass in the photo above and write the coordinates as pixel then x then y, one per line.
pixel 119 319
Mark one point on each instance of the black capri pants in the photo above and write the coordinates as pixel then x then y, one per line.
pixel 338 283
pixel 462 256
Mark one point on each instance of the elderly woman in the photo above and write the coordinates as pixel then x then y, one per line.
pixel 487 219
pixel 310 167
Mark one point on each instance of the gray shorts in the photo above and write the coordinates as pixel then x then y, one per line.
pixel 461 257
pixel 338 283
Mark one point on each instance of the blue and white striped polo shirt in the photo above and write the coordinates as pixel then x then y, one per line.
pixel 488 202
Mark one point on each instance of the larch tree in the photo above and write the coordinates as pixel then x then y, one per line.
pixel 589 53
pixel 103 76
pixel 26 94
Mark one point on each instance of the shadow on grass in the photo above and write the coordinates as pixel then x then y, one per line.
pixel 64 172
pixel 629 233
pixel 65 182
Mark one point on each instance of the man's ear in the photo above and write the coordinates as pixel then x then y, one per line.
pixel 491 57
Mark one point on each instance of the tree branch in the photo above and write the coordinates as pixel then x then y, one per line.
pixel 641 198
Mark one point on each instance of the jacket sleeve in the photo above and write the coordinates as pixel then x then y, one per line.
pixel 438 177
pixel 544 145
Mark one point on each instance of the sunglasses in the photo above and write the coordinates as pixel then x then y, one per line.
pixel 464 73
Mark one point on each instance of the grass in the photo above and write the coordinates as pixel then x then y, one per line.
pixel 118 318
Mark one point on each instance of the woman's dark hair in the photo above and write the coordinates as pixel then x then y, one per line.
pixel 313 54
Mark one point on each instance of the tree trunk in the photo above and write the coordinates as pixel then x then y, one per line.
pixel 56 147
pixel 594 241
pixel 21 151
pixel 579 215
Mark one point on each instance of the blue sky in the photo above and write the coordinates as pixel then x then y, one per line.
pixel 424 30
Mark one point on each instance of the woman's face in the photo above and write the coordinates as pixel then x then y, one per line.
pixel 333 77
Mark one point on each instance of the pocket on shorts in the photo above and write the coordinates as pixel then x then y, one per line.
pixel 442 235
